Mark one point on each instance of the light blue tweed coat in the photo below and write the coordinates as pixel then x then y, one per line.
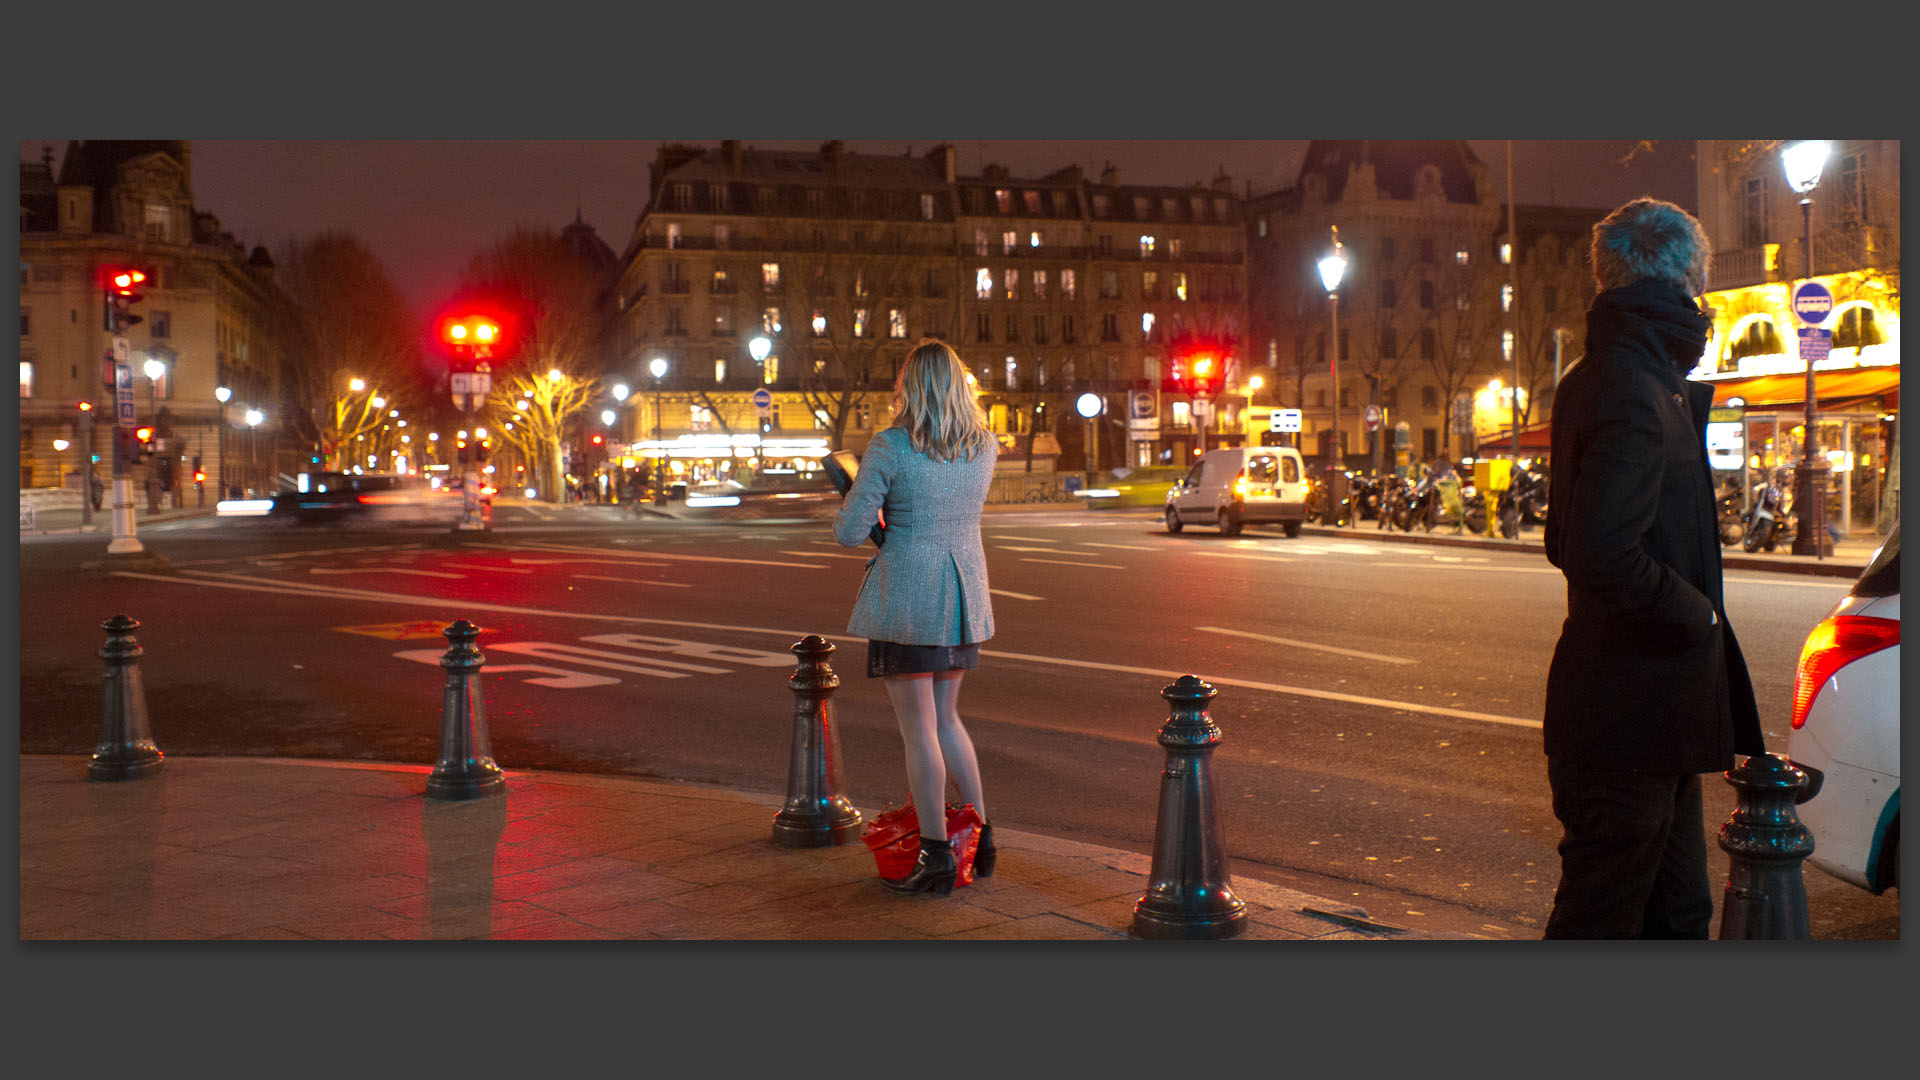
pixel 928 584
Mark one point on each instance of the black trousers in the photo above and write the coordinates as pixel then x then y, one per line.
pixel 1633 857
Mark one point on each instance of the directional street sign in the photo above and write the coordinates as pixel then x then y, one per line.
pixel 122 350
pixel 1812 303
pixel 1284 420
pixel 1815 343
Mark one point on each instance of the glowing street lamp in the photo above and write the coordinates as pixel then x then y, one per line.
pixel 1803 162
pixel 1333 267
pixel 658 368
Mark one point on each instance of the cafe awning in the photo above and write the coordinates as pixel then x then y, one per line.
pixel 1534 439
pixel 1880 386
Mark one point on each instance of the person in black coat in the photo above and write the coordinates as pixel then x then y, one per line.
pixel 1647 689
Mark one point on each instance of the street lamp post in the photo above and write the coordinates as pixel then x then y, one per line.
pixel 1090 405
pixel 657 367
pixel 1803 162
pixel 760 348
pixel 1332 268
pixel 620 392
pixel 222 394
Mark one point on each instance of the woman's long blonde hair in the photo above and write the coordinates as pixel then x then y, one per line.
pixel 935 404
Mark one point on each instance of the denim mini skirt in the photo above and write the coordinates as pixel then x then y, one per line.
pixel 892 658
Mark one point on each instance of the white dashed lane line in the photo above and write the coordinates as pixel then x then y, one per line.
pixel 1069 562
pixel 634 581
pixel 1308 645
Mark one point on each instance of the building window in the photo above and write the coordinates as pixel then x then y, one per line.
pixel 1389 292
pixel 1146 246
pixel 1389 343
pixel 770 320
pixel 1067 284
pixel 1387 250
pixel 1506 253
pixel 723 322
pixel 1273 353
pixel 1426 250
pixel 1032 199
pixel 860 283
pixel 1852 183
pixel 766 200
pixel 721 286
pixel 770 276
pixel 816 202
pixel 1009 240
pixel 1260 225
pixel 983 327
pixel 1039 284
pixel 980 242
pixel 1033 239
pixel 1150 284
pixel 1013 283
pixel 1858 329
pixel 1430 398
pixel 896 323
pixel 1427 351
pixel 26 321
pixel 1506 298
pixel 1110 327
pixel 721 236
pixel 673 234
pixel 1142 206
pixel 819 323
pixel 1003 200
pixel 1426 296
pixel 26 378
pixel 926 208
pixel 1549 298
pixel 1013 374
pixel 983 283
pixel 699 417
pixel 769 372
pixel 1013 327
pixel 1506 345
pixel 863 412
pixel 1102 205
pixel 1753 217
pixel 1106 247
pixel 159 221
pixel 860 322
pixel 1180 286
pixel 1146 326
pixel 1429 442
pixel 1066 329
pixel 719 370
pixel 674 325
pixel 1039 329
pixel 1109 285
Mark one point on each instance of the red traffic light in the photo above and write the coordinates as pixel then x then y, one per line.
pixel 144 434
pixel 125 281
pixel 471 332
pixel 597 440
pixel 86 406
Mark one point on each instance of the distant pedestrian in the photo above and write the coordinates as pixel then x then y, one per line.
pixel 96 488
pixel 923 605
pixel 1647 688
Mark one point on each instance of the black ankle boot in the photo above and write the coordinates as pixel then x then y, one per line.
pixel 935 871
pixel 984 853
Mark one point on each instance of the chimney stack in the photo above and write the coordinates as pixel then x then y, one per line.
pixel 1110 176
pixel 731 149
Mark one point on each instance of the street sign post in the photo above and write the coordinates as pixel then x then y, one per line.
pixel 123 395
pixel 1812 303
pixel 1815 343
pixel 762 401
pixel 1285 420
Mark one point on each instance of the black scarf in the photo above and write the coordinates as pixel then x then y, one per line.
pixel 1655 315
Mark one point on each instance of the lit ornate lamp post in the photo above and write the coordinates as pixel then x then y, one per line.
pixel 657 367
pixel 760 348
pixel 223 394
pixel 1332 268
pixel 1803 162
pixel 254 419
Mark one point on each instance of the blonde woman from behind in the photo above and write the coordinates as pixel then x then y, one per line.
pixel 923 606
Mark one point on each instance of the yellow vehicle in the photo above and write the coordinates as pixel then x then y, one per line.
pixel 1146 486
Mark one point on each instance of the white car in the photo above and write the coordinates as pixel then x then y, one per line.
pixel 1238 484
pixel 1846 723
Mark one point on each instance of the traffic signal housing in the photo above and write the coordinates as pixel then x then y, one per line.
pixel 1207 375
pixel 478 334
pixel 121 292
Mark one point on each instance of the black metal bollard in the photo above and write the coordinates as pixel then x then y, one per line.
pixel 465 769
pixel 1189 892
pixel 817 813
pixel 1766 896
pixel 125 750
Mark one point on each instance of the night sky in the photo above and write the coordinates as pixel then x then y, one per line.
pixel 426 207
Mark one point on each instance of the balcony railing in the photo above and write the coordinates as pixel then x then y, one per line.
pixel 1738 268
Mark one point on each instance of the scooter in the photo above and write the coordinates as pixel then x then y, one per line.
pixel 1767 519
pixel 1732 519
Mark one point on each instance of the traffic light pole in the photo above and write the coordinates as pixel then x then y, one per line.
pixel 125 539
pixel 469 470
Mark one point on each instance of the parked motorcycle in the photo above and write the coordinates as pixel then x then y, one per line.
pixel 1768 518
pixel 1364 495
pixel 1523 503
pixel 1396 494
pixel 1732 517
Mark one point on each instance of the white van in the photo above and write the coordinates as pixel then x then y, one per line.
pixel 1238 484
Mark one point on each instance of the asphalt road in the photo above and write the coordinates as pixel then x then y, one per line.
pixel 1379 702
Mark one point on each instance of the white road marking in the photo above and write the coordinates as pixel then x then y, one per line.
pixel 468 607
pixel 634 581
pixel 1015 595
pixel 1842 584
pixel 1014 547
pixel 558 678
pixel 1069 562
pixel 669 555
pixel 826 555
pixel 1307 645
pixel 1122 547
pixel 574 654
pixel 1466 566
pixel 385 570
pixel 608 562
pixel 1033 539
pixel 494 569
pixel 1236 555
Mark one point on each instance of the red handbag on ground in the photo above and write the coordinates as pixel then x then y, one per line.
pixel 894 838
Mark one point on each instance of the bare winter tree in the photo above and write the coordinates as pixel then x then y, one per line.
pixel 1460 312
pixel 844 326
pixel 352 323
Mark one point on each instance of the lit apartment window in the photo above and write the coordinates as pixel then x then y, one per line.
pixel 1260 225
pixel 1039 284
pixel 1146 325
pixel 1182 414
pixel 1150 284
pixel 819 323
pixel 721 284
pixel 159 221
pixel 1460 256
pixel 1506 298
pixel 723 323
pixel 1013 374
pixel 1109 285
pixel 1033 238
pixel 770 276
pixel 699 417
pixel 1273 353
pixel 1506 253
pixel 979 241
pixel 859 322
pixel 983 283
pixel 26 378
pixel 1146 247
pixel 1180 286
pixel 1033 202
pixel 721 237
pixel 1013 284
pixel 769 372
pixel 821 421
pixel 1003 199
pixel 896 323
pixel 673 234
pixel 1173 247
pixel 1506 345
pixel 859 283
pixel 1008 241
pixel 1066 284
pixel 770 320
pixel 926 209
pixel 720 370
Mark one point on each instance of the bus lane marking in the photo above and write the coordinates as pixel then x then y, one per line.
pixel 557 678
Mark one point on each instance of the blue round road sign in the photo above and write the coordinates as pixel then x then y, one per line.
pixel 1812 302
pixel 762 398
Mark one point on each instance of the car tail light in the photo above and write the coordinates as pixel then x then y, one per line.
pixel 1835 643
pixel 1240 484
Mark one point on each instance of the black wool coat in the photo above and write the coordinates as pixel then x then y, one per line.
pixel 1647 674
